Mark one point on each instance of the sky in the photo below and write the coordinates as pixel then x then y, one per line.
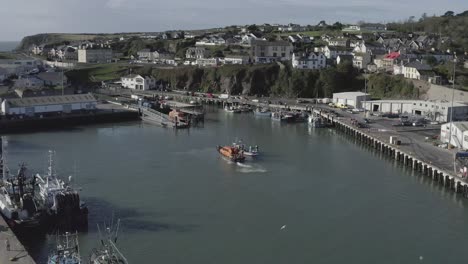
pixel 19 18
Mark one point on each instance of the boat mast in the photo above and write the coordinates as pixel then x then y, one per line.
pixel 3 161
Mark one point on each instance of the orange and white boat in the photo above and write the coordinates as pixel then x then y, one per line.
pixel 232 153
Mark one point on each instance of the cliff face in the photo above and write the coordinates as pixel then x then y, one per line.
pixel 51 39
pixel 233 79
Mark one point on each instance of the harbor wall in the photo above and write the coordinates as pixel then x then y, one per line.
pixel 444 178
pixel 17 252
pixel 66 121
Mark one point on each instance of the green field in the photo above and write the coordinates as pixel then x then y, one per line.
pixel 97 73
pixel 6 55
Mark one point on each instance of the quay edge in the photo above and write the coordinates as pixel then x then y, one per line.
pixel 444 178
pixel 17 253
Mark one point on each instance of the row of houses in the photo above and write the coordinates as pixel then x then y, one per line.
pixel 42 79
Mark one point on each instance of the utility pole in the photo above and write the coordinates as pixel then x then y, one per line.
pixel 453 96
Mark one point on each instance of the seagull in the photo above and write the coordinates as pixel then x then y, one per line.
pixel 283 227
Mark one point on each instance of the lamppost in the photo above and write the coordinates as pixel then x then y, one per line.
pixel 365 92
pixel 453 96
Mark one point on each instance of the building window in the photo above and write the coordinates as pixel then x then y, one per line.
pixel 283 54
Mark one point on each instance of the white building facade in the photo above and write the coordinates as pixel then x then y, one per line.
pixel 313 61
pixel 31 106
pixel 459 135
pixel 138 82
pixel 92 55
pixel 354 99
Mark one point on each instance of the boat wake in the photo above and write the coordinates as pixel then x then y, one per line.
pixel 245 168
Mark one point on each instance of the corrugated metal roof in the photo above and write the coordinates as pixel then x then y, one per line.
pixel 50 100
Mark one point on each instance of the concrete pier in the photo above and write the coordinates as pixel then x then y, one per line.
pixel 409 159
pixel 17 252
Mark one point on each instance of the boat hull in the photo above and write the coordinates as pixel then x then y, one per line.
pixel 232 157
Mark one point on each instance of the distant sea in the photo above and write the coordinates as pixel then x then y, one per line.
pixel 8 45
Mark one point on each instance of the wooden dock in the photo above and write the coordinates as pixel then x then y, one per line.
pixel 17 252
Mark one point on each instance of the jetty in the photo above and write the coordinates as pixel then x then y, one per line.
pixel 430 161
pixel 17 253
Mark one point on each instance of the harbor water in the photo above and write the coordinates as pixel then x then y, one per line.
pixel 8 45
pixel 313 196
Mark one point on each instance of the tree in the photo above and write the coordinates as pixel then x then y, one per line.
pixel 465 13
pixel 218 54
pixel 253 28
pixel 449 14
pixel 431 60
pixel 337 26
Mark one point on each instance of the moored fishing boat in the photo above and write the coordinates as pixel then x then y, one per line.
pixel 282 117
pixel 232 109
pixel 108 253
pixel 67 250
pixel 18 203
pixel 316 121
pixel 62 203
pixel 232 153
pixel 262 112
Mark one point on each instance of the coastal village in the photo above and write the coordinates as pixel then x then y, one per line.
pixel 106 78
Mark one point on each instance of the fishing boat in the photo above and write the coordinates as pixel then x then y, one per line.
pixel 17 198
pixel 108 253
pixel 232 109
pixel 316 121
pixel 61 201
pixel 282 117
pixel 262 112
pixel 67 250
pixel 245 108
pixel 300 117
pixel 232 153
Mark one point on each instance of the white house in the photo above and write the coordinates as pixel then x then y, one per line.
pixel 235 59
pixel 313 60
pixel 138 82
pixel 270 51
pixel 352 28
pixel 415 70
pixel 31 106
pixel 361 60
pixel 196 53
pixel 332 52
pixel 208 62
pixel 459 135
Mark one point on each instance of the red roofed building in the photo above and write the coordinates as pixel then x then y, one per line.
pixel 392 55
pixel 387 61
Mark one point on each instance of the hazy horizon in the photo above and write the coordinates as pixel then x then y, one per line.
pixel 23 18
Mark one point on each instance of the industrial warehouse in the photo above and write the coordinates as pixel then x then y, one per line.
pixel 43 105
pixel 438 111
pixel 353 99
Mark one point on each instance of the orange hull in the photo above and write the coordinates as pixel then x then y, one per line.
pixel 231 153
